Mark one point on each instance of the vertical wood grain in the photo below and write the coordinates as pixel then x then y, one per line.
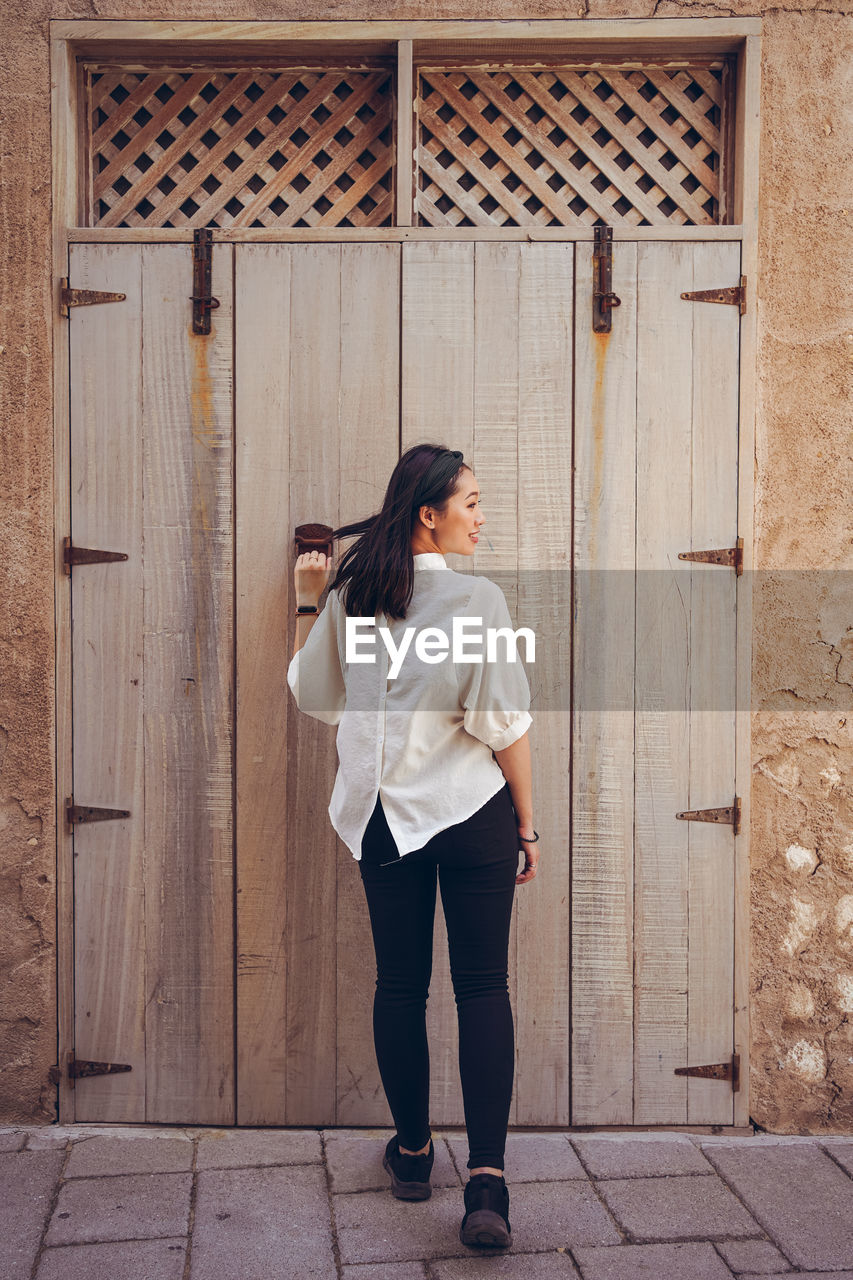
pixel 108 682
pixel 664 470
pixel 188 658
pixel 603 698
pixel 545 358
pixel 404 167
pixel 437 405
pixel 497 272
pixel 311 920
pixel 713 684
pixel 369 450
pixel 264 599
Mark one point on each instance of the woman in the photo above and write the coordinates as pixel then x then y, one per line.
pixel 433 784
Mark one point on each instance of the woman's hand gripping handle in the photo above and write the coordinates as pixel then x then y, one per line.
pixel 310 575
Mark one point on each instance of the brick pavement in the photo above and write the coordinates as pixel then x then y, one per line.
pixel 165 1203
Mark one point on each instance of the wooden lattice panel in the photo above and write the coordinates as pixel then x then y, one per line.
pixel 241 148
pixel 565 147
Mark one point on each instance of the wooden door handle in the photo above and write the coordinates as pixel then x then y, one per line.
pixel 313 537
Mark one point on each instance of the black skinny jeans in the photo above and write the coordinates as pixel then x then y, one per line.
pixel 475 863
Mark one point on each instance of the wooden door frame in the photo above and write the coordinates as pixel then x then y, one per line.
pixel 203 43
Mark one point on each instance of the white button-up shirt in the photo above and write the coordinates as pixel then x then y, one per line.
pixel 422 740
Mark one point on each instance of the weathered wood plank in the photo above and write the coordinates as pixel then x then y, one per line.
pixel 437 405
pixel 264 554
pixel 188 657
pixel 497 272
pixel 314 477
pixel 664 401
pixel 603 699
pixel 713 671
pixel 108 682
pixel 544 603
pixel 368 442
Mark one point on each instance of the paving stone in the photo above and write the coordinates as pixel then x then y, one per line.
pixel 812 1275
pixel 100 1156
pixel 652 1262
pixel 676 1208
pixel 757 1256
pixel 514 1266
pixel 385 1271
pixel 550 1215
pixel 671 1153
pixel 799 1195
pixel 263 1222
pixel 137 1206
pixel 842 1152
pixel 376 1227
pixel 529 1157
pixel 130 1260
pixel 241 1148
pixel 27 1183
pixel 47 1138
pixel 11 1140
pixel 354 1160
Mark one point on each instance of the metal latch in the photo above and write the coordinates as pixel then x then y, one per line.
pixel 731 556
pixel 83 297
pixel 729 814
pixel 313 537
pixel 736 294
pixel 716 1071
pixel 603 300
pixel 86 555
pixel 201 297
pixel 91 813
pixel 78 1068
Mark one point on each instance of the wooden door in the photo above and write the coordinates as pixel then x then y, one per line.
pixel 153 688
pixel 656 454
pixel 317 411
pixel 222 940
pixel 487 368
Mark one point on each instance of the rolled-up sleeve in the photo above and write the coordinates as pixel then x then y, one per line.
pixel 315 675
pixel 495 695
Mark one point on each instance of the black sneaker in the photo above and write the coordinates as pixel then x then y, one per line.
pixel 409 1174
pixel 486 1220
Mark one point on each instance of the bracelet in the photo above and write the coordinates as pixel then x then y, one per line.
pixel 305 608
pixel 528 839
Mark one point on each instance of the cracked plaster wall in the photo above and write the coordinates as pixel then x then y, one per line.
pixel 802 813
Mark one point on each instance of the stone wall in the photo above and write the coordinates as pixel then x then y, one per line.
pixel 802 817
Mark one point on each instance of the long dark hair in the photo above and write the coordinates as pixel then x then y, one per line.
pixel 378 569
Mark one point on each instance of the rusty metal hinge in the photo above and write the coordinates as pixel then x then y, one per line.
pixel 78 1068
pixel 313 537
pixel 90 813
pixel 716 1071
pixel 201 297
pixel 83 297
pixel 729 814
pixel 603 300
pixel 736 295
pixel 731 556
pixel 86 555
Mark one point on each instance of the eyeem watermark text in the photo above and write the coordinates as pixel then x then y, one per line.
pixel 432 643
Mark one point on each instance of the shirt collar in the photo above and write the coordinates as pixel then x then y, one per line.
pixel 429 560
